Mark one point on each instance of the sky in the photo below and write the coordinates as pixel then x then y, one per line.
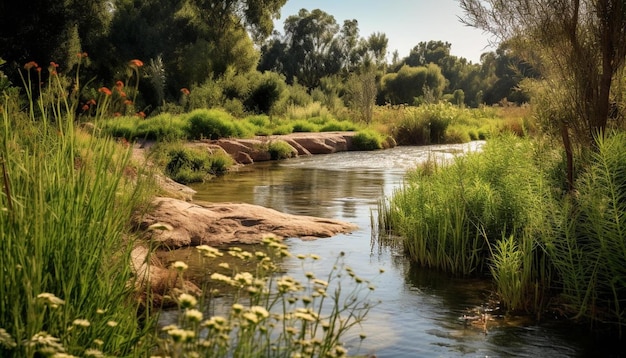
pixel 405 22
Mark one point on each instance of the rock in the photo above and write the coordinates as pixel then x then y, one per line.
pixel 150 274
pixel 195 224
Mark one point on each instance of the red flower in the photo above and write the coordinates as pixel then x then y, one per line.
pixel 30 65
pixel 119 85
pixel 185 91
pixel 54 64
pixel 141 114
pixel 91 102
pixel 128 102
pixel 122 94
pixel 38 69
pixel 105 90
pixel 136 63
pixel 85 107
pixel 54 73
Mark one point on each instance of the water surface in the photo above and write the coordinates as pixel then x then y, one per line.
pixel 420 310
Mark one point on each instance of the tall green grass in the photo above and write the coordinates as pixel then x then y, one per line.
pixel 589 251
pixel 64 260
pixel 455 216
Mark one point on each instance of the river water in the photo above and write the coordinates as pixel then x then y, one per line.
pixel 420 310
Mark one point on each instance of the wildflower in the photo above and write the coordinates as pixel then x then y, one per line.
pixel 310 275
pixel 186 300
pixel 91 352
pixel 287 284
pixel 193 315
pixel 315 257
pixel 251 317
pixel 209 251
pixel 305 315
pixel 106 91
pixel 85 107
pixel 30 65
pixel 237 308
pixel 98 342
pixel 180 266
pixel 141 114
pixel 91 102
pixel 301 256
pixel 122 93
pixel 6 340
pixel 259 311
pixel 136 63
pixel 224 265
pixel 244 278
pixel 43 339
pixel 119 85
pixel 216 322
pixel 82 55
pixel 381 270
pixel 51 299
pixel 185 91
pixel 112 323
pixel 63 355
pixel 128 102
pixel 81 322
pixel 319 282
pixel 181 335
pixel 222 278
pixel 362 336
pixel 117 114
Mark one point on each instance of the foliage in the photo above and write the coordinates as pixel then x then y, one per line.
pixel 588 251
pixel 272 315
pixel 279 149
pixel 411 85
pixel 188 165
pixel 62 192
pixel 213 124
pixel 367 140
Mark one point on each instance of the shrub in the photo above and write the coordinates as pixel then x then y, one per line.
pixel 164 126
pixel 279 149
pixel 367 140
pixel 189 165
pixel 336 126
pixel 304 126
pixel 211 124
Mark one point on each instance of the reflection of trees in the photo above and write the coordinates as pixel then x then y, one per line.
pixel 316 192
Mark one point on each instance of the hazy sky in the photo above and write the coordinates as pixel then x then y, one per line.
pixel 405 22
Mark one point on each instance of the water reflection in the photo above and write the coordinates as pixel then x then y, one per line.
pixel 420 311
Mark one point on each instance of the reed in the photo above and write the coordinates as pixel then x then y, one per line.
pixel 65 203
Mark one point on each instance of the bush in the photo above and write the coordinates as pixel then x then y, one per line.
pixel 367 140
pixel 188 165
pixel 304 126
pixel 164 126
pixel 279 149
pixel 211 124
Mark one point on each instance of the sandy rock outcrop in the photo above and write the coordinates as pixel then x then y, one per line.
pixel 230 223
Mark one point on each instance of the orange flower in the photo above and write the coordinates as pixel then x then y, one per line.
pixel 30 65
pixel 122 94
pixel 85 107
pixel 119 85
pixel 54 73
pixel 185 91
pixel 117 114
pixel 141 114
pixel 105 90
pixel 38 69
pixel 136 63
pixel 54 64
pixel 128 102
pixel 91 102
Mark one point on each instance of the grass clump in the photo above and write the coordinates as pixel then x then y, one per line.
pixel 189 165
pixel 367 140
pixel 279 149
pixel 214 124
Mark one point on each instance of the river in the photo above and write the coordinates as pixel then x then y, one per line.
pixel 420 310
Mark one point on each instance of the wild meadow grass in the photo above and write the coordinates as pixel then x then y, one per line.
pixel 503 212
pixel 477 214
pixel 271 314
pixel 65 202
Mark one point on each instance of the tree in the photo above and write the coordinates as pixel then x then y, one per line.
pixel 581 44
pixel 411 85
pixel 44 31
